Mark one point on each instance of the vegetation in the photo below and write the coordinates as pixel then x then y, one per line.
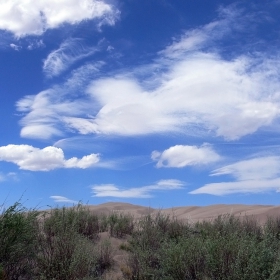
pixel 66 244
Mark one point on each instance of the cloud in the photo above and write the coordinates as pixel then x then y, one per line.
pixel 261 174
pixel 245 187
pixel 35 44
pixel 62 199
pixel 256 168
pixel 15 47
pixel 9 176
pixel 2 177
pixel 43 114
pixel 49 158
pixel 25 17
pixel 110 190
pixel 190 88
pixel 69 52
pixel 181 156
pixel 203 92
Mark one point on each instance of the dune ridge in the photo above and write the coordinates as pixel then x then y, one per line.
pixel 192 213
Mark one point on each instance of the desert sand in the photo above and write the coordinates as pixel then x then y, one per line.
pixel 193 213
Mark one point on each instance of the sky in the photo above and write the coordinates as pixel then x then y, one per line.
pixel 160 103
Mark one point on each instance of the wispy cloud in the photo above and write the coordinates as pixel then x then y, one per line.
pixel 256 175
pixel 62 199
pixel 43 113
pixel 15 47
pixel 49 158
pixel 191 90
pixel 69 52
pixel 243 187
pixel 9 176
pixel 2 177
pixel 35 44
pixel 181 156
pixel 110 190
pixel 24 17
pixel 255 168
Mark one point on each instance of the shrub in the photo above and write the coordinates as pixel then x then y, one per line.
pixel 120 224
pixel 17 241
pixel 66 245
pixel 78 219
pixel 65 256
pixel 183 259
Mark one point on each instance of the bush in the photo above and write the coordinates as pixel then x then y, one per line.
pixel 77 219
pixel 17 241
pixel 225 248
pixel 120 224
pixel 62 244
pixel 66 245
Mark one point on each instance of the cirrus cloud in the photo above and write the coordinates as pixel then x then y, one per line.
pixel 110 190
pixel 62 199
pixel 256 175
pixel 69 52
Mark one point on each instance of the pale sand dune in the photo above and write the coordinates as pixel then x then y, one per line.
pixel 192 213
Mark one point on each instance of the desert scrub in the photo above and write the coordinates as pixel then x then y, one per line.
pixel 66 255
pixel 67 246
pixel 78 219
pixel 17 241
pixel 183 258
pixel 120 224
pixel 225 248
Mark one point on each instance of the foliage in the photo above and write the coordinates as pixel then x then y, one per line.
pixel 64 244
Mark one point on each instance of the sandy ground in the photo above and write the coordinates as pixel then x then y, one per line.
pixel 192 213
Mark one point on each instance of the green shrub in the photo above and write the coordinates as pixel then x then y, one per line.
pixel 120 224
pixel 183 259
pixel 67 255
pixel 17 241
pixel 78 219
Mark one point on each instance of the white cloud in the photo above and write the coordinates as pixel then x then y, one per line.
pixel 9 176
pixel 43 114
pixel 35 44
pixel 2 177
pixel 203 91
pixel 45 111
pixel 195 91
pixel 26 17
pixel 245 187
pixel 256 168
pixel 110 190
pixel 62 199
pixel 261 174
pixel 69 52
pixel 49 158
pixel 181 156
pixel 15 47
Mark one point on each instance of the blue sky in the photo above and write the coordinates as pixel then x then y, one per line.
pixel 159 103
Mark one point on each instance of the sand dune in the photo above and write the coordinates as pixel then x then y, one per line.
pixel 193 213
